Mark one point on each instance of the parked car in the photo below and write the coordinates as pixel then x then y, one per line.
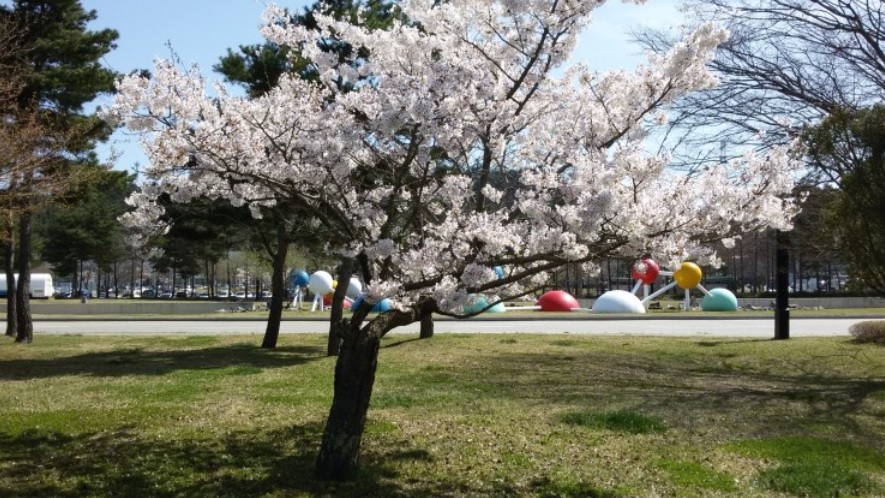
pixel 63 293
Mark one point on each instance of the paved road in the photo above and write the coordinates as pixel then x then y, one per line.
pixel 670 327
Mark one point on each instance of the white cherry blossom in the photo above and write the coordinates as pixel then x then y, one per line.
pixel 463 145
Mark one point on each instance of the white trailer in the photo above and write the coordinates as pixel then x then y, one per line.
pixel 41 285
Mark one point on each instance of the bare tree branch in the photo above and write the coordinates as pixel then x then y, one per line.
pixel 787 65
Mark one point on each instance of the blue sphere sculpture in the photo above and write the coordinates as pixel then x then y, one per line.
pixel 299 278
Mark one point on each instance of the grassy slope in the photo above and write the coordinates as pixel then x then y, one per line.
pixel 459 415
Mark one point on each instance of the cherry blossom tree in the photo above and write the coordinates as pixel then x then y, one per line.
pixel 464 144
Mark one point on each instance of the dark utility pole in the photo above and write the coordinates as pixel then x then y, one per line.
pixel 782 283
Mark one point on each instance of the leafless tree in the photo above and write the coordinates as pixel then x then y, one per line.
pixel 786 65
pixel 11 82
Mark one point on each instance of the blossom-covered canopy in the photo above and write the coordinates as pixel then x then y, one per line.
pixel 454 142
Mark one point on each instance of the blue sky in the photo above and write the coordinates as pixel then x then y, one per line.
pixel 200 31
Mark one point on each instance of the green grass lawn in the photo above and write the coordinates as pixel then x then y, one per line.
pixel 456 415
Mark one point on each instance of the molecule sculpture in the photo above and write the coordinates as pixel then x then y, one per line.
pixel 354 290
pixel 645 271
pixel 320 284
pixel 553 301
pixel 298 280
pixel 687 277
pixel 482 304
pixel 380 307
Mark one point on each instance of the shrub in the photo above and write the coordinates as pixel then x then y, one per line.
pixel 868 331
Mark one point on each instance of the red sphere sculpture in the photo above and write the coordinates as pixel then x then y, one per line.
pixel 557 301
pixel 646 270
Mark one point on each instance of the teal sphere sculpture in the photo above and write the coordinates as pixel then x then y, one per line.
pixel 379 307
pixel 480 303
pixel 719 300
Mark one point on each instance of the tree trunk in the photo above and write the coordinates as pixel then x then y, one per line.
pixel 230 285
pixel 741 278
pixel 609 274
pixel 755 262
pixel 782 298
pixel 426 327
pixel 210 285
pixel 24 327
pixel 132 279
pixel 9 258
pixel 278 290
pixel 345 271
pixel 354 378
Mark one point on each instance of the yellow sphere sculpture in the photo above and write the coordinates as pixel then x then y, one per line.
pixel 331 292
pixel 688 276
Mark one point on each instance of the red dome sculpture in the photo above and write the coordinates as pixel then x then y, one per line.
pixel 557 301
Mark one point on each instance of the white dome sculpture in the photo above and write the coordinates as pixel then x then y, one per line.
pixel 618 301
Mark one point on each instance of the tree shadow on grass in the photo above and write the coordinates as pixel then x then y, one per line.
pixel 713 344
pixel 254 463
pixel 136 361
pixel 788 398
pixel 402 342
